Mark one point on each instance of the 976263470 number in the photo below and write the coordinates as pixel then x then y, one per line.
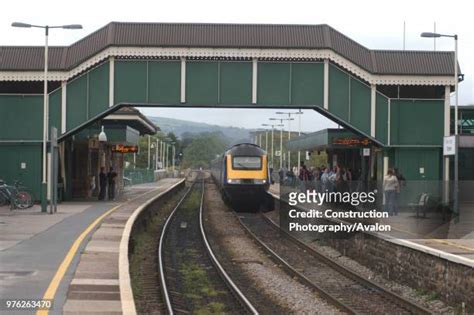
pixel 25 304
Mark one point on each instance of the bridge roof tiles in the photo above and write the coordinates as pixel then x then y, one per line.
pixel 264 36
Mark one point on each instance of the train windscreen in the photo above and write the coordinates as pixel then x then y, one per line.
pixel 247 162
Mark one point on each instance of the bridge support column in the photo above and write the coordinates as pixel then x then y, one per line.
pixel 254 80
pixel 111 81
pixel 373 102
pixel 326 84
pixel 385 163
pixel 63 106
pixel 183 80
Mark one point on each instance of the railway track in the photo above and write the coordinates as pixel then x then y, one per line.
pixel 191 278
pixel 340 286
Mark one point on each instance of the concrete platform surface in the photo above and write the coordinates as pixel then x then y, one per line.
pixel 33 245
pixel 449 239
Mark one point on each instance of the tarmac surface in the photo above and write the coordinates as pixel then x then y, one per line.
pixel 33 244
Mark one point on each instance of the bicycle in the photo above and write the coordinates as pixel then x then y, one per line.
pixel 25 190
pixel 17 199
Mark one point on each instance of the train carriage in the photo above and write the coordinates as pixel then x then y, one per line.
pixel 242 175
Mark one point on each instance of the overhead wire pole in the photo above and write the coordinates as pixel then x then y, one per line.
pixel 44 183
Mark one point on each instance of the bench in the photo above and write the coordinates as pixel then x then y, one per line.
pixel 421 205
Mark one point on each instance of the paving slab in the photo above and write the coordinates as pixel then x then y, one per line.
pixel 96 280
pixel 34 244
pixel 451 237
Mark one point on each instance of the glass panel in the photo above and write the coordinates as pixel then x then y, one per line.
pixel 247 163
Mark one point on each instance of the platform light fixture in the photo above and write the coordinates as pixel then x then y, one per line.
pixel 44 184
pixel 102 135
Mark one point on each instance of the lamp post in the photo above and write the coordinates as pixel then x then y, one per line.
pixel 281 139
pixel 162 147
pixel 166 155
pixel 173 152
pixel 158 153
pixel 44 184
pixel 149 151
pixel 273 128
pixel 266 140
pixel 154 156
pixel 289 132
pixel 456 127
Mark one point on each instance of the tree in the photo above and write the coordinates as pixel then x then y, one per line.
pixel 202 149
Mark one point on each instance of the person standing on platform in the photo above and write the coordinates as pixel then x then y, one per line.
pixel 390 189
pixel 401 183
pixel 111 183
pixel 102 183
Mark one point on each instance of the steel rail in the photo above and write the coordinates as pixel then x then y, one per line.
pixel 225 277
pixel 287 266
pixel 164 288
pixel 394 297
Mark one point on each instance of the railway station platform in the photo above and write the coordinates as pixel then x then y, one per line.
pixel 452 240
pixel 71 257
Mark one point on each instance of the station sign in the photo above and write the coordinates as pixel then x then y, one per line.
pixel 120 148
pixel 449 145
pixel 351 141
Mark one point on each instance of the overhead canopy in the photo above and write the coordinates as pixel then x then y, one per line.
pixel 466 119
pixel 262 36
pixel 132 117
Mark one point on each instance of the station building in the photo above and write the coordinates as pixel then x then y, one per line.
pixel 398 100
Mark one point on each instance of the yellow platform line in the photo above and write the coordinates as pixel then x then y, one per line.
pixel 54 284
pixel 437 240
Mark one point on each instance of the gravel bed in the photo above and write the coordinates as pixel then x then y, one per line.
pixel 436 306
pixel 278 292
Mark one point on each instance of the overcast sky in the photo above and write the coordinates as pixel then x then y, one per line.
pixel 374 24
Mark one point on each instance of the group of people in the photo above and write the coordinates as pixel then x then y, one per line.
pixel 340 179
pixel 321 178
pixel 107 183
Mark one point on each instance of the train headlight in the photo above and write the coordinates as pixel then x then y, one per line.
pixel 259 181
pixel 233 181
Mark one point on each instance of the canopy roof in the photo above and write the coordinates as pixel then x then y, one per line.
pixel 261 36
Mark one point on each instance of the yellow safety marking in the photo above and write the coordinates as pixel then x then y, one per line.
pixel 437 240
pixel 54 284
pixel 446 242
